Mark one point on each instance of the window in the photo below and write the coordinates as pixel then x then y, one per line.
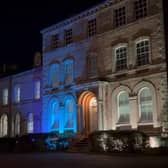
pixel 91 27
pixel 55 41
pixel 68 36
pixel 30 123
pixel 17 124
pixel 120 17
pixel 37 86
pixel 54 75
pixel 140 8
pixel 68 71
pixel 5 96
pixel 123 107
pixel 142 52
pixel 3 125
pixel 121 58
pixel 17 92
pixel 145 105
pixel 92 66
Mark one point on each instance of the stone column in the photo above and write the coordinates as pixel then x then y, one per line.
pixel 133 112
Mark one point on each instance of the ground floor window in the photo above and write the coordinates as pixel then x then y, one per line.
pixel 3 125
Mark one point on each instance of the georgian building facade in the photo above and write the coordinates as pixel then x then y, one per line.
pixel 105 69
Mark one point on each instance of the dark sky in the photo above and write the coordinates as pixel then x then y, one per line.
pixel 20 25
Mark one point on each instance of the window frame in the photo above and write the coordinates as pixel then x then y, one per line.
pixel 5 98
pixel 92 27
pixel 37 89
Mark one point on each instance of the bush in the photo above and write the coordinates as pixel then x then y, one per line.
pixel 117 141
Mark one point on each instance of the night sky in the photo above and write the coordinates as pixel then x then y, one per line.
pixel 20 25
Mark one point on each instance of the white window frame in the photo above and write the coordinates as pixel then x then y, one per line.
pixel 17 94
pixel 118 46
pixel 5 96
pixel 118 112
pixel 37 89
pixel 138 40
pixel 30 123
pixel 139 108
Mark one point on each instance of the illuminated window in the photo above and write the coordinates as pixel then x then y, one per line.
pixel 142 52
pixel 123 107
pixel 55 41
pixel 91 27
pixel 140 7
pixel 121 58
pixel 145 105
pixel 68 36
pixel 17 124
pixel 92 66
pixel 68 71
pixel 30 123
pixel 120 17
pixel 55 116
pixel 17 92
pixel 69 114
pixel 5 96
pixel 3 125
pixel 37 86
pixel 54 75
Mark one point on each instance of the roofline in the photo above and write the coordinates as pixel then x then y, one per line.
pixel 85 13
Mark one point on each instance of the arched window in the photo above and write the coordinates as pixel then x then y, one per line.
pixel 142 52
pixel 145 105
pixel 54 75
pixel 123 107
pixel 68 71
pixel 17 124
pixel 4 125
pixel 30 123
pixel 70 114
pixel 55 116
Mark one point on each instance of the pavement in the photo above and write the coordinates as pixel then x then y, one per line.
pixel 79 160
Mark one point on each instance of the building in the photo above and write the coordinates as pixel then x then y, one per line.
pixel 103 69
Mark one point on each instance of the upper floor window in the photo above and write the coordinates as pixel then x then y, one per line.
pixel 145 105
pixel 142 52
pixel 55 41
pixel 68 36
pixel 92 66
pixel 37 86
pixel 123 107
pixel 5 96
pixel 68 71
pixel 54 75
pixel 121 57
pixel 91 27
pixel 140 7
pixel 17 93
pixel 120 16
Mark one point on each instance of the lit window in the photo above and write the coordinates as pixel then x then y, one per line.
pixel 121 58
pixel 17 92
pixel 37 90
pixel 3 125
pixel 142 52
pixel 120 17
pixel 91 27
pixel 55 117
pixel 92 66
pixel 140 8
pixel 30 123
pixel 123 107
pixel 5 96
pixel 145 105
pixel 54 75
pixel 55 41
pixel 68 36
pixel 17 124
pixel 68 71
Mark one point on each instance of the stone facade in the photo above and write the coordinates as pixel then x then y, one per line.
pixel 83 78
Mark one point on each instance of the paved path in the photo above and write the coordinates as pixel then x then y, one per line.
pixel 68 160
